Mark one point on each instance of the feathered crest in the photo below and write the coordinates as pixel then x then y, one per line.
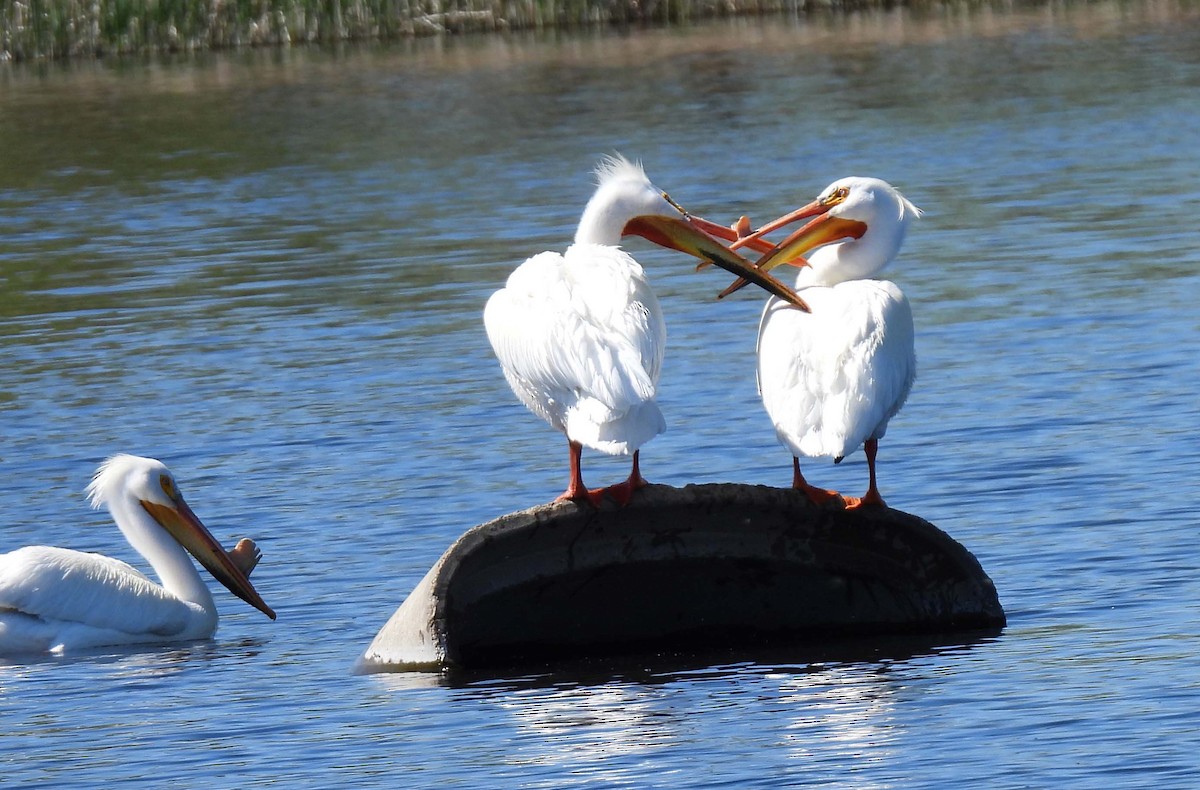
pixel 906 206
pixel 112 474
pixel 614 167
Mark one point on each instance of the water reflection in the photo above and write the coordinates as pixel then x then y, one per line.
pixel 589 725
pixel 817 714
pixel 655 668
pixel 143 660
pixel 842 715
pixel 604 719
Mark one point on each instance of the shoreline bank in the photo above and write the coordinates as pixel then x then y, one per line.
pixel 38 30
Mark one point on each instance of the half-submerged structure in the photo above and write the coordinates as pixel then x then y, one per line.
pixel 706 566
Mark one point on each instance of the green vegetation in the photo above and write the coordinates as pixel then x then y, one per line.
pixel 31 29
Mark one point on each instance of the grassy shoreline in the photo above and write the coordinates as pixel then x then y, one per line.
pixel 49 29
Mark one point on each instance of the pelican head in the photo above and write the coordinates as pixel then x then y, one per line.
pixel 623 191
pixel 868 215
pixel 132 487
pixel 627 203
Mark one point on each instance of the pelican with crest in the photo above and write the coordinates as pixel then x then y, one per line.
pixel 58 600
pixel 580 335
pixel 831 379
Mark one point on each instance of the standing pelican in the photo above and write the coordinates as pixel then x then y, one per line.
pixel 57 600
pixel 832 379
pixel 580 335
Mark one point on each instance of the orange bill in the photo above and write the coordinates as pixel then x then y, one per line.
pixel 821 230
pixel 809 210
pixel 187 529
pixel 733 234
pixel 684 235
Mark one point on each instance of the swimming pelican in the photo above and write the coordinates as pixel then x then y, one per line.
pixel 580 335
pixel 57 600
pixel 832 379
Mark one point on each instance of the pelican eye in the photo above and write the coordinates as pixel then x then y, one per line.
pixel 837 196
pixel 168 486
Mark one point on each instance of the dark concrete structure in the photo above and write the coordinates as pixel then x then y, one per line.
pixel 705 566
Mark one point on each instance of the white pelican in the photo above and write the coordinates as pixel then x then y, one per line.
pixel 56 600
pixel 580 334
pixel 832 379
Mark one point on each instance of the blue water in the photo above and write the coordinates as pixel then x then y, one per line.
pixel 268 269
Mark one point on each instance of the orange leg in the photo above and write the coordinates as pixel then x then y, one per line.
pixel 872 497
pixel 623 492
pixel 818 496
pixel 577 491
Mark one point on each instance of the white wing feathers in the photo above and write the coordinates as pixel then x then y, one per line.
pixel 67 587
pixel 581 338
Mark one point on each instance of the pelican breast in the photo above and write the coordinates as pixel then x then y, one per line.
pixel 833 378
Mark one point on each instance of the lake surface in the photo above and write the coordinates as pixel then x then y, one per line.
pixel 268 269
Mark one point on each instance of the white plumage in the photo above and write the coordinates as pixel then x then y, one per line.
pixel 580 335
pixel 56 600
pixel 831 379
